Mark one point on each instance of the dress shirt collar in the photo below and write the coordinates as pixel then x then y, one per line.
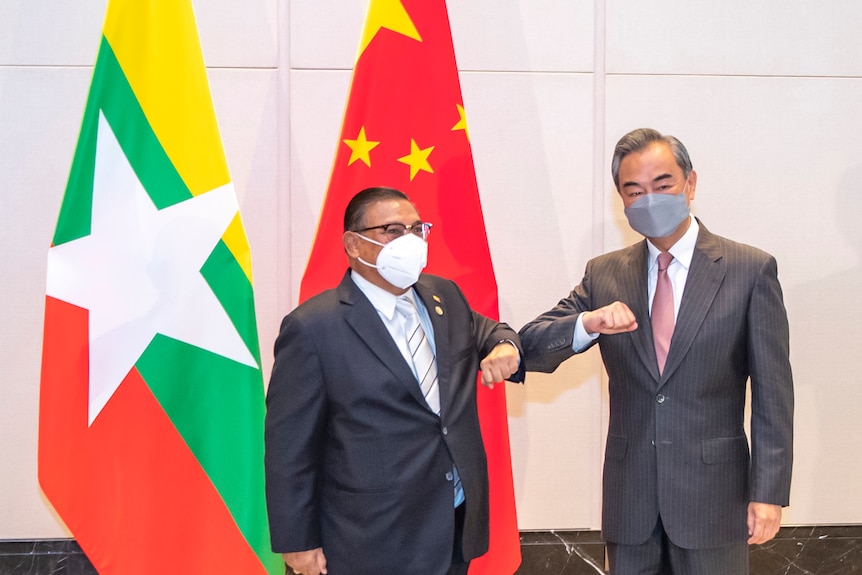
pixel 682 251
pixel 382 300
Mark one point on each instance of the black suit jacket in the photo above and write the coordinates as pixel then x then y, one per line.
pixel 676 444
pixel 356 462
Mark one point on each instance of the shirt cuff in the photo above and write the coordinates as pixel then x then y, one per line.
pixel 581 339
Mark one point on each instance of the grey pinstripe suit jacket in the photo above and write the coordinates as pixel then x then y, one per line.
pixel 676 446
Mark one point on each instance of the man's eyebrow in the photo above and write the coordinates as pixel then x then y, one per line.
pixel 656 179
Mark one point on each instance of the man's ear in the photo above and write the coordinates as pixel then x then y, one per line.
pixel 351 244
pixel 692 186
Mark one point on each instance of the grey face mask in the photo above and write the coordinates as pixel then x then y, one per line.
pixel 657 215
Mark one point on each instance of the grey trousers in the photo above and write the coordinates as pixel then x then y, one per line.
pixel 659 556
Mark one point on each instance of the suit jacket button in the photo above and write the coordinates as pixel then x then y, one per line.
pixel 449 476
pixel 445 431
pixel 659 398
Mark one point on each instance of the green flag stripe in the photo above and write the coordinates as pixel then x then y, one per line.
pixel 137 139
pixel 217 406
pixel 231 286
pixel 111 93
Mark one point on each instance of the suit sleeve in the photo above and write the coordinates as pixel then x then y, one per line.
pixel 771 390
pixel 296 412
pixel 487 333
pixel 548 339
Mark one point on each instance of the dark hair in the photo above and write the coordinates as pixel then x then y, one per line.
pixel 638 140
pixel 354 215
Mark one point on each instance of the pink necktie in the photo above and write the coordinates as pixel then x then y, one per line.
pixel 662 311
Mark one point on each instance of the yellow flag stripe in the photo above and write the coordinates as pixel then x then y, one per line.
pixel 157 45
pixel 235 240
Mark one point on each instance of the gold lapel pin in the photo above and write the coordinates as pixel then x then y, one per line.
pixel 436 298
pixel 438 309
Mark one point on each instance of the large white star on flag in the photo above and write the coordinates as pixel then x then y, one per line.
pixel 138 272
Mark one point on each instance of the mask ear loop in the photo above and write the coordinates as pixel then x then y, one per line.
pixel 375 242
pixel 367 240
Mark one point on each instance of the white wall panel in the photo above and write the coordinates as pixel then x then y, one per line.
pixel 786 38
pixel 47 33
pixel 504 35
pixel 50 33
pixel 531 136
pixel 513 35
pixel 316 112
pixel 239 34
pixel 556 431
pixel 324 34
pixel 40 116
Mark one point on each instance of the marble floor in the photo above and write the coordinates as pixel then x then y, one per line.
pixel 820 550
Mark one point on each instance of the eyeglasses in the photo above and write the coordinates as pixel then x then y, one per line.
pixel 394 231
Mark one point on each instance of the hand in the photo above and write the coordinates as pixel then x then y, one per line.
pixel 611 319
pixel 500 363
pixel 764 519
pixel 311 562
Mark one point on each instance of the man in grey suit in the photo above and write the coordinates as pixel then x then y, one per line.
pixel 682 494
pixel 374 456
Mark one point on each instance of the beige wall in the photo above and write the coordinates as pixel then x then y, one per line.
pixel 765 95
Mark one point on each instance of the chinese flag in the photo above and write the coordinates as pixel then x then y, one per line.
pixel 405 127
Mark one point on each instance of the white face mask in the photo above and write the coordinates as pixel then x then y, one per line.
pixel 400 261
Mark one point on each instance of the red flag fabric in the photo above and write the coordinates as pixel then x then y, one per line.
pixel 405 127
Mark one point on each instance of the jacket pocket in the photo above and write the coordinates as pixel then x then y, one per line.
pixel 616 447
pixel 725 450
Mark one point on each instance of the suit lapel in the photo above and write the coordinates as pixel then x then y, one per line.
pixel 365 321
pixel 437 311
pixel 633 291
pixel 701 286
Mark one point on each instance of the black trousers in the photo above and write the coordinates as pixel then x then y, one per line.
pixel 459 566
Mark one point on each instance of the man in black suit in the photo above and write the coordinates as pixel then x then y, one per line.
pixel 374 458
pixel 681 494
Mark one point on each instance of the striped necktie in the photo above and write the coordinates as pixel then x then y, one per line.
pixel 424 364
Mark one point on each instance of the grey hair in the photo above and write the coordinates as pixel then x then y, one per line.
pixel 640 139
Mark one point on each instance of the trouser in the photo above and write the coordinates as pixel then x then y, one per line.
pixel 459 566
pixel 659 556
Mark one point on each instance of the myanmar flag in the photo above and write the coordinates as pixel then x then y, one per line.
pixel 405 126
pixel 151 410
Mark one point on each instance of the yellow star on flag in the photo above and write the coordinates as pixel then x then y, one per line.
pixel 417 159
pixel 361 148
pixel 389 14
pixel 462 123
